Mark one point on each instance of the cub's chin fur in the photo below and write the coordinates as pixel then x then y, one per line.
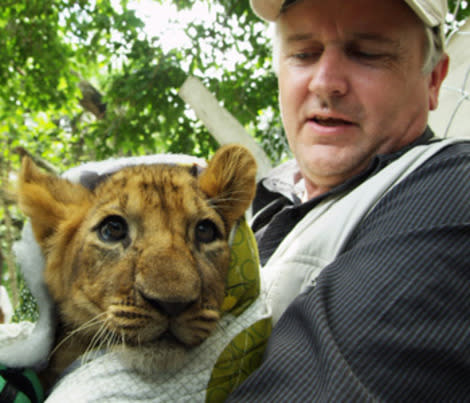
pixel 143 253
pixel 164 355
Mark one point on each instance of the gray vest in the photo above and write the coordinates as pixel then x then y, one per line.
pixel 322 234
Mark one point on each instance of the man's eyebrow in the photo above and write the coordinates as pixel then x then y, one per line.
pixel 299 37
pixel 376 37
pixel 371 37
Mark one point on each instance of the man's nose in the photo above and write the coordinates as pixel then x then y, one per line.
pixel 329 75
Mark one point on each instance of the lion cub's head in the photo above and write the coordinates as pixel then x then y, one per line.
pixel 140 260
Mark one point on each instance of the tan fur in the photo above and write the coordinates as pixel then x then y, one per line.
pixel 160 287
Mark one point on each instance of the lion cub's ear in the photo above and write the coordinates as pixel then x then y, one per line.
pixel 47 200
pixel 230 181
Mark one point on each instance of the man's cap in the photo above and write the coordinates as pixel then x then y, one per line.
pixel 431 12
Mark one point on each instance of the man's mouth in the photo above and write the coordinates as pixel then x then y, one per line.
pixel 330 122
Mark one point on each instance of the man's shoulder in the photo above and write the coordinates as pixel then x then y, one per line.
pixel 458 146
pixel 456 153
pixel 451 161
pixel 436 193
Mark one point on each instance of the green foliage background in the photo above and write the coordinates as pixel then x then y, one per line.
pixel 49 47
pixel 82 80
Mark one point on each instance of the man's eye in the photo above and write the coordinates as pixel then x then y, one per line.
pixel 112 229
pixel 305 56
pixel 302 56
pixel 365 55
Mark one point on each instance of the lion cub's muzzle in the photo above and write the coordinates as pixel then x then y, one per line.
pixel 169 308
pixel 147 317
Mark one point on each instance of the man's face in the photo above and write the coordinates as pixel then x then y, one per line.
pixel 351 84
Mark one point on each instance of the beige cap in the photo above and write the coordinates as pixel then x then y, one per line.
pixel 431 12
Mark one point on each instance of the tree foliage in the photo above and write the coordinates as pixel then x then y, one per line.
pixel 83 80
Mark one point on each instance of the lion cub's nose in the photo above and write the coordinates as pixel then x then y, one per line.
pixel 170 308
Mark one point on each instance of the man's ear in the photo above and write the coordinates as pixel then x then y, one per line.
pixel 437 76
pixel 230 181
pixel 47 200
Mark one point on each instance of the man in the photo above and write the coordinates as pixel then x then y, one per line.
pixel 364 237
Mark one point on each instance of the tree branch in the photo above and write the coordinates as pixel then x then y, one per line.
pixel 22 152
pixel 92 99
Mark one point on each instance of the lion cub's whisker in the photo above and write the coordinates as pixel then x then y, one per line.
pixel 91 323
pixel 97 341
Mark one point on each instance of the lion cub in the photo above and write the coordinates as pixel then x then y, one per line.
pixel 140 261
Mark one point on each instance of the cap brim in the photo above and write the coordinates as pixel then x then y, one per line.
pixel 267 10
pixel 431 12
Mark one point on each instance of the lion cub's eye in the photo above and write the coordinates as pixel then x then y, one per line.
pixel 112 229
pixel 206 231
